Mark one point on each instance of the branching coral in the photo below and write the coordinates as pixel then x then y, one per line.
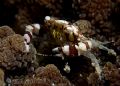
pixel 12 51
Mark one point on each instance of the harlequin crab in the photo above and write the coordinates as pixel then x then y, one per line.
pixel 77 44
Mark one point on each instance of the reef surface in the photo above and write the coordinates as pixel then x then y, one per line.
pixel 97 19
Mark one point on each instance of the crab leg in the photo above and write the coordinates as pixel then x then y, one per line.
pixel 29 31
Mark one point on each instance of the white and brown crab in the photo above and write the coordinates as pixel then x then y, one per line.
pixel 81 45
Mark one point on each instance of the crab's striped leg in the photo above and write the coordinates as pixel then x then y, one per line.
pixel 29 31
pixel 74 49
pixel 81 47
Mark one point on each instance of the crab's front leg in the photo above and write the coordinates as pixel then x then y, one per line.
pixel 29 31
pixel 76 50
pixel 90 42
pixel 68 50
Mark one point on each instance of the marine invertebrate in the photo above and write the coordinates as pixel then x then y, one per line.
pixel 29 31
pixel 44 76
pixel 63 27
pixel 50 72
pixel 97 12
pixel 62 37
pixel 85 27
pixel 111 74
pixel 93 79
pixel 22 19
pixel 81 46
pixel 2 78
pixel 5 31
pixel 84 42
pixel 13 51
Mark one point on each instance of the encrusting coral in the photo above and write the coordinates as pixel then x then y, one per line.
pixel 111 74
pixel 84 26
pixel 93 10
pixel 44 76
pixel 13 50
pixel 1 77
pixel 99 19
pixel 5 31
pixel 98 12
pixel 93 79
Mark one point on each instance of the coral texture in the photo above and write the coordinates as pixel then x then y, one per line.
pixel 5 31
pixel 93 78
pixel 111 74
pixel 45 76
pixel 97 19
pixel 1 77
pixel 93 10
pixel 84 27
pixel 12 50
